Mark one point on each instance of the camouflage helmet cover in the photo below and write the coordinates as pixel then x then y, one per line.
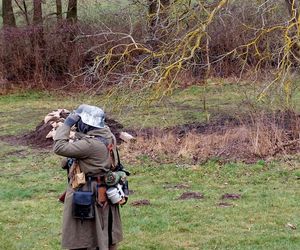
pixel 91 115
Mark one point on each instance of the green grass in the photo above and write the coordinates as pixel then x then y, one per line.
pixel 256 221
pixel 31 181
pixel 30 184
pixel 23 111
pixel 30 215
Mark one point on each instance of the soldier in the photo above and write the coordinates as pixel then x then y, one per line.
pixel 91 152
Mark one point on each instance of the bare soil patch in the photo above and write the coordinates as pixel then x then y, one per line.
pixel 139 203
pixel 231 196
pixel 176 186
pixel 191 195
pixel 37 138
pixel 19 153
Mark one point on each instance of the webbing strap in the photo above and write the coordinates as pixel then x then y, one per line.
pixel 89 184
pixel 110 148
pixel 103 140
pixel 118 156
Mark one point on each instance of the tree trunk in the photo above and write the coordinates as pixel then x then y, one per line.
pixel 26 12
pixel 72 31
pixel 9 23
pixel 72 11
pixel 8 14
pixel 37 12
pixel 39 42
pixel 23 10
pixel 59 9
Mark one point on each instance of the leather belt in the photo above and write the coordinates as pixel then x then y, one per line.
pixel 99 179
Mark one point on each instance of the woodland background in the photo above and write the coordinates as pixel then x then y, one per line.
pixel 148 48
pixel 209 90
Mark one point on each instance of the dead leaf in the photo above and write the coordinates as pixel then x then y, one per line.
pixel 225 204
pixel 291 226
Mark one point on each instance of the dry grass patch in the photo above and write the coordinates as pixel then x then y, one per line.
pixel 259 138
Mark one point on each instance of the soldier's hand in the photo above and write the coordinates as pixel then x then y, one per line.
pixel 72 119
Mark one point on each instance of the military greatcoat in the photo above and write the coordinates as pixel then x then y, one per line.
pixel 93 158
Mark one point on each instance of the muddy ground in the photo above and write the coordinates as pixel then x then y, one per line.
pixel 226 138
pixel 37 138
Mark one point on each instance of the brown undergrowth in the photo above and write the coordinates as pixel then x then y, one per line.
pixel 247 140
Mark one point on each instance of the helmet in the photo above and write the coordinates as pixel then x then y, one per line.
pixel 91 115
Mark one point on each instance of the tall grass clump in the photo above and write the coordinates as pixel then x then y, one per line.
pixel 263 136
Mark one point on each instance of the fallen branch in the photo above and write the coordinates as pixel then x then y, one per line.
pixel 127 137
pixel 281 147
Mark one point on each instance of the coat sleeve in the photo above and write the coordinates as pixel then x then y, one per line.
pixel 62 145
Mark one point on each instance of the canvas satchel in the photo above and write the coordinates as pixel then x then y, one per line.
pixel 76 175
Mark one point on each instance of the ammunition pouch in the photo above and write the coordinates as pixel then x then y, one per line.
pixel 101 194
pixel 83 206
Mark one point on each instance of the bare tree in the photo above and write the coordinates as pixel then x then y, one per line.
pixel 9 23
pixel 24 10
pixel 37 12
pixel 39 42
pixel 59 9
pixel 72 11
pixel 8 14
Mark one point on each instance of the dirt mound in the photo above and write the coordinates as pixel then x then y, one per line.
pixel 139 203
pixel 115 128
pixel 218 124
pixel 231 196
pixel 37 138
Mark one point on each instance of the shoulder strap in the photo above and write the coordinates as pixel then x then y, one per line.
pixel 110 147
pixel 90 184
pixel 103 140
pixel 118 156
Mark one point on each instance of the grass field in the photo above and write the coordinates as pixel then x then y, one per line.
pixel 265 217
